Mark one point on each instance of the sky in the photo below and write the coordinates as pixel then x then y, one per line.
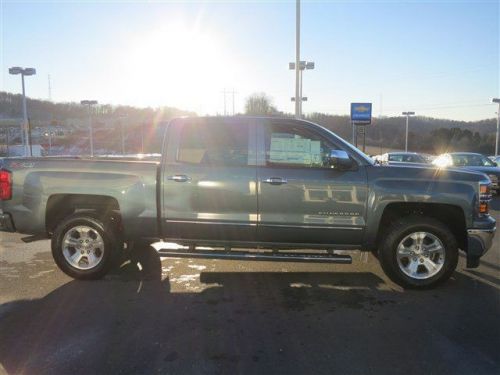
pixel 437 58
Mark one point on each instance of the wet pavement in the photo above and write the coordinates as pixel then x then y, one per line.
pixel 195 316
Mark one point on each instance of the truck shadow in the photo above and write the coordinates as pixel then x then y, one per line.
pixel 252 322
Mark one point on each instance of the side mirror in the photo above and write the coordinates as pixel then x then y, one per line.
pixel 340 159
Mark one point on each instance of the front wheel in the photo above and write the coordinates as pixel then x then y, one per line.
pixel 84 246
pixel 418 252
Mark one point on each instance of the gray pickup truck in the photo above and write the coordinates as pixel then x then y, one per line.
pixel 274 186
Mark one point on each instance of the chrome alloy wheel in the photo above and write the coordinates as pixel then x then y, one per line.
pixel 83 247
pixel 420 255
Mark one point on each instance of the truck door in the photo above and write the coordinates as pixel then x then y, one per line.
pixel 209 180
pixel 301 198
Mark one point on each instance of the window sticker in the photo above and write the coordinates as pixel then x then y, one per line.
pixel 285 149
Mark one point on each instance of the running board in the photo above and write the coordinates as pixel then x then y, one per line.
pixel 36 237
pixel 264 256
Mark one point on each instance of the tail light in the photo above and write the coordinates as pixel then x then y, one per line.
pixel 5 185
pixel 484 198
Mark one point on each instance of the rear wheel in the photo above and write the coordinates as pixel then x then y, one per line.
pixel 84 246
pixel 418 252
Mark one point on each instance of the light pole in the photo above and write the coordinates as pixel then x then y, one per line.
pixel 24 133
pixel 297 59
pixel 407 114
pixel 89 104
pixel 497 100
pixel 303 65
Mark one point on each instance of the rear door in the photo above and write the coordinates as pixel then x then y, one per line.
pixel 209 180
pixel 301 198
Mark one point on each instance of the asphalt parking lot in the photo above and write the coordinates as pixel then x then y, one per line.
pixel 195 316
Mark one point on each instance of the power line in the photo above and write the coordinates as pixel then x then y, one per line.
pixel 233 93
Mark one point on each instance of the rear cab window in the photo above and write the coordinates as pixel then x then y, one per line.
pixel 214 144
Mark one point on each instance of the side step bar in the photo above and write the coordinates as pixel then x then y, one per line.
pixel 36 237
pixel 265 256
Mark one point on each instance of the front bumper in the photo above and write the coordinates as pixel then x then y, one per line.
pixel 6 223
pixel 479 242
pixel 494 182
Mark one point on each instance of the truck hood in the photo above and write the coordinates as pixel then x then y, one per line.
pixel 487 170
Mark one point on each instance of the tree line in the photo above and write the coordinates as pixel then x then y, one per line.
pixel 426 134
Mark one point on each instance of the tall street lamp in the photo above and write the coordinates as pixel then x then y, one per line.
pixel 309 65
pixel 89 104
pixel 407 114
pixel 24 133
pixel 297 58
pixel 497 100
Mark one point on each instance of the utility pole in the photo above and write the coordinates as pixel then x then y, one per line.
pixel 233 93
pixel 407 114
pixel 298 99
pixel 497 100
pixel 50 89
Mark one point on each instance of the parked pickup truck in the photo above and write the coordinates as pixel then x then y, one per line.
pixel 232 184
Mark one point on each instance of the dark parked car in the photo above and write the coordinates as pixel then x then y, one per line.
pixel 473 162
pixel 402 157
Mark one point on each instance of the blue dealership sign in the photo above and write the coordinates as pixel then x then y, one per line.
pixel 361 113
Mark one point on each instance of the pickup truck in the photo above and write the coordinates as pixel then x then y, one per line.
pixel 251 188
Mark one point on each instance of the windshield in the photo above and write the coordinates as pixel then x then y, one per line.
pixel 471 160
pixel 351 148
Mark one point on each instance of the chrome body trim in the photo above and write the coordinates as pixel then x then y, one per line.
pixel 209 222
pixel 264 225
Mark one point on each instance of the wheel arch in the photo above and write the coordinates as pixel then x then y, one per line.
pixel 60 206
pixel 450 215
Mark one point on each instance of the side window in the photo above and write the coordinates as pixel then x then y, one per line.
pixel 459 161
pixel 295 146
pixel 395 157
pixel 216 144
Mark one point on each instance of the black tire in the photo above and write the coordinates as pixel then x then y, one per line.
pixel 105 228
pixel 405 226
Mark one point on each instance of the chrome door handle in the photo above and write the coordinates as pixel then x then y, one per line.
pixel 275 181
pixel 179 178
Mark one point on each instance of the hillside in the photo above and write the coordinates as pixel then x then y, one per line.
pixel 425 134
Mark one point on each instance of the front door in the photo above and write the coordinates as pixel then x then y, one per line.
pixel 302 199
pixel 209 180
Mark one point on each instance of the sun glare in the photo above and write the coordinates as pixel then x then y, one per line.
pixel 174 64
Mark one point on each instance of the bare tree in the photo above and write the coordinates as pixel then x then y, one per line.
pixel 259 104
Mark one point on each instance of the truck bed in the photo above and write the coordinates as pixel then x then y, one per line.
pixel 43 188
